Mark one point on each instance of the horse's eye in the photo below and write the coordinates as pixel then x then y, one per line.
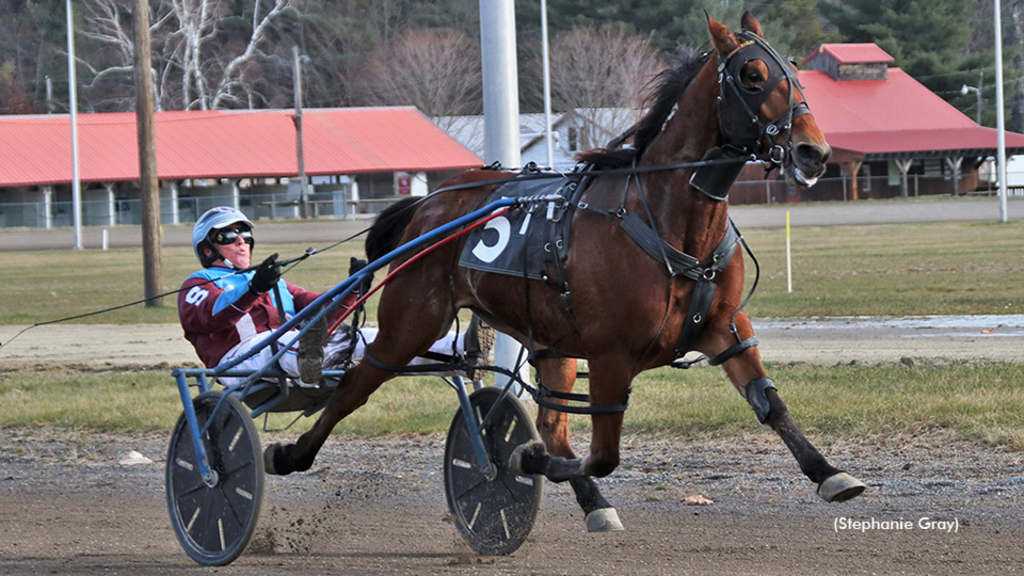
pixel 753 78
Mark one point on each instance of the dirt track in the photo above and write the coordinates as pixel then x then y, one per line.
pixel 377 507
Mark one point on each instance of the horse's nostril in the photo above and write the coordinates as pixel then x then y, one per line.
pixel 813 154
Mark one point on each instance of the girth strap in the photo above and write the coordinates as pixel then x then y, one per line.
pixel 696 315
pixel 681 264
pixel 678 262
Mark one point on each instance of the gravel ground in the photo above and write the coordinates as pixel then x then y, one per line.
pixel 372 507
pixel 377 507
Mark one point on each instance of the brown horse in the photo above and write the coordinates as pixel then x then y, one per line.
pixel 629 311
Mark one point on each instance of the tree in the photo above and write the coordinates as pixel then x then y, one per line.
pixel 604 69
pixel 13 99
pixel 32 37
pixel 436 70
pixel 203 49
pixel 927 39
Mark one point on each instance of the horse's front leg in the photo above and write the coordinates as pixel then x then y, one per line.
pixel 553 425
pixel 748 376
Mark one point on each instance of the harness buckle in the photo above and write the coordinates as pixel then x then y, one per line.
pixel 772 130
pixel 777 154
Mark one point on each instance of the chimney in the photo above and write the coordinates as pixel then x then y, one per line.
pixel 847 62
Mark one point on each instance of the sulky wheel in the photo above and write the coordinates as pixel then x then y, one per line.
pixel 494 515
pixel 214 523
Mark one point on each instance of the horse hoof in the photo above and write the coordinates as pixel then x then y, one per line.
pixel 268 460
pixel 840 488
pixel 604 520
pixel 524 454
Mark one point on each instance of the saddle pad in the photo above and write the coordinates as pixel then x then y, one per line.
pixel 520 242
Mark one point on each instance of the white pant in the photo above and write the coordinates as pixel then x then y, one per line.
pixel 337 343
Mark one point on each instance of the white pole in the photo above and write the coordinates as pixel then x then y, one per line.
pixel 1000 120
pixel 76 183
pixel 501 124
pixel 789 259
pixel 547 82
pixel 105 240
pixel 501 89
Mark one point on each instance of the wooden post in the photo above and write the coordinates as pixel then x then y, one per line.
pixel 149 186
pixel 904 166
pixel 303 187
pixel 954 164
pixel 852 168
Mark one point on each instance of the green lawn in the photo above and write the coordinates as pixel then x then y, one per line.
pixel 944 268
pixel 984 403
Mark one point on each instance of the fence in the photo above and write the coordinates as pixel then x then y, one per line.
pixel 335 204
pixel 129 212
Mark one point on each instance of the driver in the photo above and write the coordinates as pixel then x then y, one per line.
pixel 226 313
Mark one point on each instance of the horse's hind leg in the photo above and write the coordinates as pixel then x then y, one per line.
pixel 747 374
pixel 609 386
pixel 559 375
pixel 355 388
pixel 392 346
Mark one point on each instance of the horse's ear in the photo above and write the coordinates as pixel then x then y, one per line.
pixel 750 24
pixel 723 38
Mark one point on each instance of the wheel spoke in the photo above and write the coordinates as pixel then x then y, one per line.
pixel 494 517
pixel 215 524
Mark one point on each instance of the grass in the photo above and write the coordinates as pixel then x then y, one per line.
pixel 48 285
pixel 941 268
pixel 982 402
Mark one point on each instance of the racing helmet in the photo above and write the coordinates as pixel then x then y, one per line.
pixel 215 219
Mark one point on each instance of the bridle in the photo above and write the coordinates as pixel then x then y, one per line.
pixel 738 105
pixel 745 134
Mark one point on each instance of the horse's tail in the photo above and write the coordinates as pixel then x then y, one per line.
pixel 389 226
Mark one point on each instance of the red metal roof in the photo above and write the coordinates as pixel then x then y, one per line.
pixel 891 116
pixel 227 144
pixel 854 53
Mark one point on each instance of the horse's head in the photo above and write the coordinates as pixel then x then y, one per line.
pixel 761 105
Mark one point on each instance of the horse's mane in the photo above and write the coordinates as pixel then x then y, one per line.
pixel 668 88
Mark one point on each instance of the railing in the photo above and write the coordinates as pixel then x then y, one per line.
pixel 129 212
pixel 335 204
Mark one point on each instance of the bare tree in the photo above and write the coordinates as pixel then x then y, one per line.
pixel 436 70
pixel 597 76
pixel 196 64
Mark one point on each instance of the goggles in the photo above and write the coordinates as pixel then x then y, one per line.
pixel 229 236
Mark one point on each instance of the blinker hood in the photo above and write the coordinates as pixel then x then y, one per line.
pixel 738 105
